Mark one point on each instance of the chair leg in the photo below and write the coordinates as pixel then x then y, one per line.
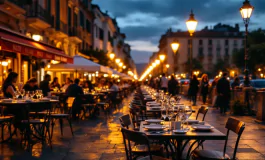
pixel 70 124
pixel 52 128
pixel 61 126
pixel 49 135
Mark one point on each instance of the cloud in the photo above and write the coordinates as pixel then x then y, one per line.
pixel 139 45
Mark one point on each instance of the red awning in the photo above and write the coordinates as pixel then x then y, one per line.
pixel 9 41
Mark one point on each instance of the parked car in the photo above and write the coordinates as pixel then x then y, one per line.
pixel 184 81
pixel 258 84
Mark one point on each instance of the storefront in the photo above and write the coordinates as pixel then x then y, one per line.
pixel 25 56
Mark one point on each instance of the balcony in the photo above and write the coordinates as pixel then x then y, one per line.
pixel 74 35
pixel 13 7
pixel 38 17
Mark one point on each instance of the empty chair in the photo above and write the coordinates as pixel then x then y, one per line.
pixel 233 125
pixel 143 148
pixel 203 110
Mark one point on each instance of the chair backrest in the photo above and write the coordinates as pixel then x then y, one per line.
pixel 203 110
pixel 138 138
pixel 125 121
pixel 237 127
pixel 134 116
pixel 70 102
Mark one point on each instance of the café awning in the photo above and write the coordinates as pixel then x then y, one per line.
pixel 80 64
pixel 14 42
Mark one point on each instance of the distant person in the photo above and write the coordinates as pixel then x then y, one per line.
pixel 223 91
pixel 113 87
pixel 8 85
pixel 74 90
pixel 204 87
pixel 193 89
pixel 55 83
pixel 172 85
pixel 89 85
pixel 235 83
pixel 44 85
pixel 67 84
pixel 164 83
pixel 31 85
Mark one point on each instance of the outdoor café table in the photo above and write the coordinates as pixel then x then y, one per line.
pixel 21 108
pixel 177 142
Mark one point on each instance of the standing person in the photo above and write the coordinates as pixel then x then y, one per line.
pixel 9 88
pixel 55 83
pixel 172 85
pixel 235 83
pixel 204 87
pixel 164 83
pixel 194 87
pixel 223 91
pixel 44 85
pixel 31 85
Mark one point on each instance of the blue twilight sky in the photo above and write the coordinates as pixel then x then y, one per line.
pixel 144 21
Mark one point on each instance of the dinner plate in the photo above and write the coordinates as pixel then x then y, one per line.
pixel 192 121
pixel 202 127
pixel 154 127
pixel 180 131
pixel 154 120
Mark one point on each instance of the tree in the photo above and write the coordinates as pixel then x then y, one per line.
pixel 221 65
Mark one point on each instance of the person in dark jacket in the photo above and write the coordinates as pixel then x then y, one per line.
pixel 172 85
pixel 8 86
pixel 236 83
pixel 44 85
pixel 223 91
pixel 193 89
pixel 204 87
pixel 55 83
pixel 31 85
pixel 74 90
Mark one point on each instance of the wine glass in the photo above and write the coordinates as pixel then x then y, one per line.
pixel 187 113
pixel 163 111
pixel 181 114
pixel 31 94
pixel 22 93
pixel 170 114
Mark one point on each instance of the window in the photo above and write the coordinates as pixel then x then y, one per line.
pixel 200 42
pixel 101 34
pixel 210 51
pixel 189 41
pixel 226 42
pixel 218 52
pixel 88 26
pixel 69 16
pixel 48 3
pixel 235 43
pixel 210 42
pixel 226 52
pixel 200 52
pixel 81 19
pixel 75 20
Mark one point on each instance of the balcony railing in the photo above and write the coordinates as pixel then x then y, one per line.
pixel 37 11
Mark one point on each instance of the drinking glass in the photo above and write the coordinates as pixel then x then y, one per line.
pixel 31 94
pixel 187 113
pixel 163 111
pixel 22 93
pixel 181 114
pixel 170 115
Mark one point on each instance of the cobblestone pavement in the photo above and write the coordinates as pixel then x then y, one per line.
pixel 101 139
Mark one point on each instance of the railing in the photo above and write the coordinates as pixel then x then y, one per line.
pixel 39 12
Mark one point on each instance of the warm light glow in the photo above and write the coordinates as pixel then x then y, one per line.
pixel 246 10
pixel 162 57
pixel 9 61
pixel 175 46
pixel 4 63
pixel 191 23
pixel 117 60
pixel 259 69
pixel 261 75
pixel 85 74
pixel 24 65
pixel 154 64
pixel 111 56
pixel 54 62
pixel 157 62
pixel 150 75
pixel 4 71
pixel 48 66
pixel 93 75
pixel 124 67
pixel 105 75
pixel 167 65
pixel 120 64
pixel 36 37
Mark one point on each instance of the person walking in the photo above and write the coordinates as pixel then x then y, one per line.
pixel 204 87
pixel 223 91
pixel 172 85
pixel 193 89
pixel 164 83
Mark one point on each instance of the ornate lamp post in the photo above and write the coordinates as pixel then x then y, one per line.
pixel 246 11
pixel 162 57
pixel 174 47
pixel 191 25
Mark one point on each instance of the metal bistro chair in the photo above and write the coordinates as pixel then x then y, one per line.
pixel 126 122
pixel 61 116
pixel 203 110
pixel 232 125
pixel 139 138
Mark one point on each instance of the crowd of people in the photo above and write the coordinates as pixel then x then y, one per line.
pixel 200 87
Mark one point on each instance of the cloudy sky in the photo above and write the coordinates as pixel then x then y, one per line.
pixel 144 21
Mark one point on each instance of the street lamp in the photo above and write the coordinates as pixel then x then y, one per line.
pixel 246 11
pixel 117 60
pixel 191 25
pixel 162 57
pixel 175 46
pixel 111 56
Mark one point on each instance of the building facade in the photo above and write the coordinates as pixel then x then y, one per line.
pixel 209 46
pixel 71 26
